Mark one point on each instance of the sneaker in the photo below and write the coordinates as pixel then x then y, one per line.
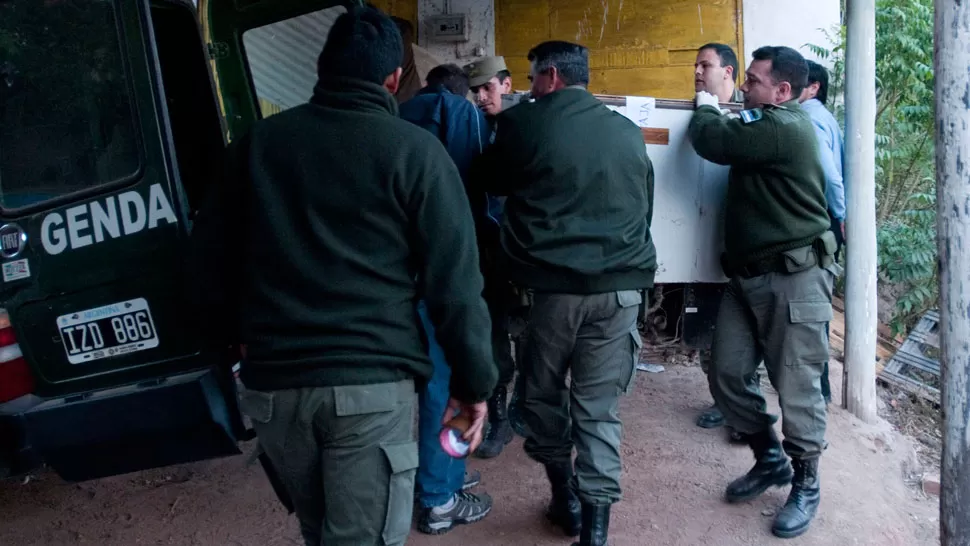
pixel 472 479
pixel 465 508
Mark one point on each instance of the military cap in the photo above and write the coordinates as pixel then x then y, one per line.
pixel 482 70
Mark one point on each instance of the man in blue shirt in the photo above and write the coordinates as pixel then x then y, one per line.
pixel 467 130
pixel 831 152
pixel 442 484
pixel 831 147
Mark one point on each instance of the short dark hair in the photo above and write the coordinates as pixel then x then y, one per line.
pixel 820 75
pixel 570 60
pixel 787 65
pixel 449 76
pixel 363 44
pixel 725 54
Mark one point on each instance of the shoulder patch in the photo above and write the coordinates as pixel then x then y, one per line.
pixel 752 115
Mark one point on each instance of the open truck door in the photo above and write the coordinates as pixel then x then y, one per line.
pixel 265 51
pixel 110 134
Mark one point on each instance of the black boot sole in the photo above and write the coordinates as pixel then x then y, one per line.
pixel 778 481
pixel 709 423
pixel 791 533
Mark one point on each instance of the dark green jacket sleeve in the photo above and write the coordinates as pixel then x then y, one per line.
pixel 450 279
pixel 727 140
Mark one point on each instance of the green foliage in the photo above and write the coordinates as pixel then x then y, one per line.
pixel 905 169
pixel 907 258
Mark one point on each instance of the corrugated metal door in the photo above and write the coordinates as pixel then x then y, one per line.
pixel 637 47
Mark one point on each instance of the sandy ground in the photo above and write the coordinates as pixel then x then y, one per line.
pixel 674 477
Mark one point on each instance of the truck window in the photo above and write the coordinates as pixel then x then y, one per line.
pixel 66 121
pixel 282 58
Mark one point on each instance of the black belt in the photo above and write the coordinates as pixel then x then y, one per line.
pixel 757 268
pixel 771 264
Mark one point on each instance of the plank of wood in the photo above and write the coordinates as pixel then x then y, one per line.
pixel 886 339
pixel 884 351
pixel 653 135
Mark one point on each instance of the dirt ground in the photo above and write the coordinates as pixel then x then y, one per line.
pixel 674 477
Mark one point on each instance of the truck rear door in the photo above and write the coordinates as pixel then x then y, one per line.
pixel 108 132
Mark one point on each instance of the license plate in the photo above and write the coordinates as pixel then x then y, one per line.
pixel 108 331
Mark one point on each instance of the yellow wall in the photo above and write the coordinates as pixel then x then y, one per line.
pixel 637 47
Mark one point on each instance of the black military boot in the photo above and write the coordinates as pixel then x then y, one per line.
pixel 770 469
pixel 596 525
pixel 565 510
pixel 499 430
pixel 798 513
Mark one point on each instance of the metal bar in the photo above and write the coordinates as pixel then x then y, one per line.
pixel 860 172
pixel 667 104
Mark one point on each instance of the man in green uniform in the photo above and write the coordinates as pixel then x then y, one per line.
pixel 779 258
pixel 576 233
pixel 335 219
pixel 489 79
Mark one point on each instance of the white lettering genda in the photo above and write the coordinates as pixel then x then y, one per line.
pixel 109 218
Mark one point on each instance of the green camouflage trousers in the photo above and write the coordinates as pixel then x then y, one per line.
pixel 347 457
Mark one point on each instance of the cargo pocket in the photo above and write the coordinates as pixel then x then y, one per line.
pixel 629 298
pixel 835 269
pixel 256 405
pixel 403 462
pixel 800 259
pixel 637 349
pixel 807 321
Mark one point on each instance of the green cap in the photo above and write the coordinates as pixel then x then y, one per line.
pixel 482 70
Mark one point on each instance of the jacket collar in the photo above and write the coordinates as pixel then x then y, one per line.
pixel 353 94
pixel 573 91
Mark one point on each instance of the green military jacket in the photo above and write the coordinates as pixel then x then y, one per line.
pixel 579 188
pixel 776 188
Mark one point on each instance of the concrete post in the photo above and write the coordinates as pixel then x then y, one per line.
pixel 952 60
pixel 860 174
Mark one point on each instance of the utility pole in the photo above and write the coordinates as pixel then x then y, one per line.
pixel 952 61
pixel 859 392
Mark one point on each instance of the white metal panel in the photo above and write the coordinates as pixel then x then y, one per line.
pixel 688 201
pixel 283 56
pixel 688 221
